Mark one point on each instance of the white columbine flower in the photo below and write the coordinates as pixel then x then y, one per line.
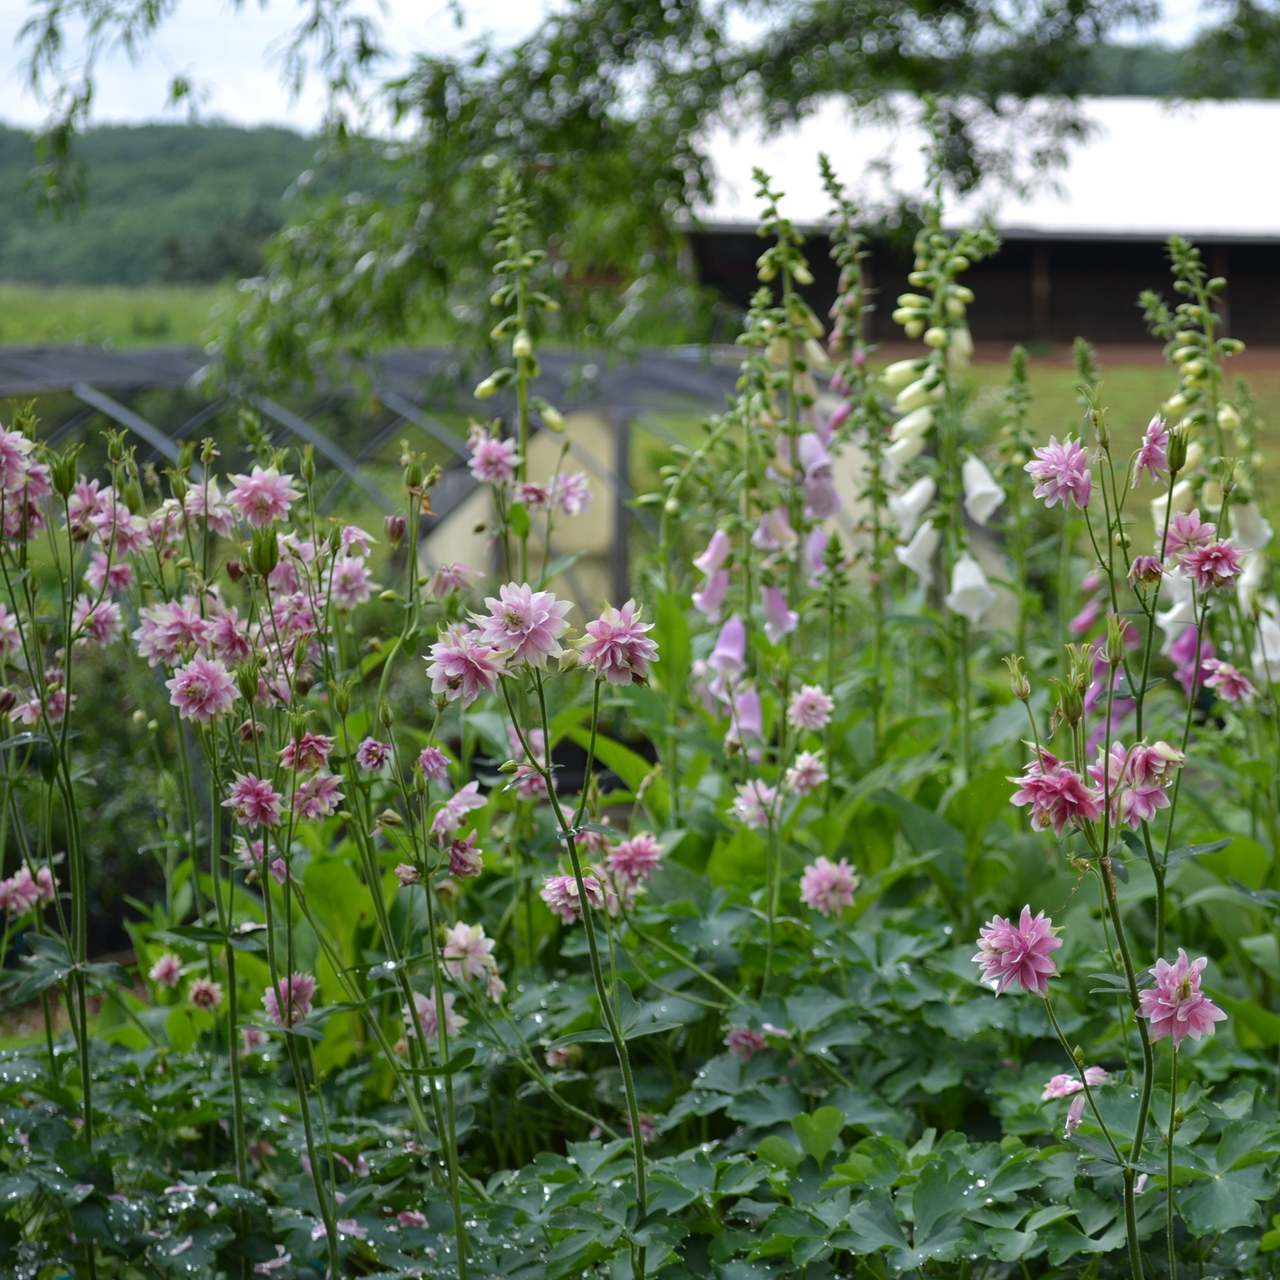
pixel 918 554
pixel 982 495
pixel 907 507
pixel 971 595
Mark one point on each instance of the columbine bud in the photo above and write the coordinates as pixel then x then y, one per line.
pixel 1115 639
pixel 390 818
pixel 1018 682
pixel 1177 451
pixel 1145 571
pixel 307 464
pixel 115 447
pixel 1078 1055
pixel 247 681
pixel 407 875
pixel 235 570
pixel 569 661
pixel 131 492
pixel 8 700
pixel 62 471
pixel 264 551
pixel 509 767
pixel 394 528
pixel 385 715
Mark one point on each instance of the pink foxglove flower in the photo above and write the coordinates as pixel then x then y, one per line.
pixel 807 774
pixel 291 996
pixel 465 860
pixel 492 461
pixel 1232 684
pixel 810 708
pixel 1175 1006
pixel 560 893
pixel 352 583
pixel 745 1042
pixel 449 816
pixel 202 690
pixel 526 622
pixel 254 801
pixel 317 797
pixel 263 496
pixel 746 718
pixel 1020 954
pixel 755 803
pixel 635 859
pixel 828 887
pixel 710 600
pixel 463 665
pixel 373 755
pixel 424 1016
pixel 616 647
pixel 205 994
pixel 308 753
pixel 1064 1086
pixel 711 561
pixel 1075 1113
pixel 434 764
pixel 96 621
pixel 167 971
pixel 1061 471
pixel 729 657
pixel 1214 566
pixel 1153 455
pixel 1057 795
pixel 467 952
pixel 1187 533
pixel 774 532
pixel 779 621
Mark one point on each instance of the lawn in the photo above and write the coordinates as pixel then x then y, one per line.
pixel 111 315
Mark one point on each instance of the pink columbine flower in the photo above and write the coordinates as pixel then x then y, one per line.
pixel 634 860
pixel 19 893
pixel 533 495
pixel 1064 1086
pixel 572 493
pixel 1231 683
pixel 202 690
pixel 467 952
pixel 253 1040
pixel 46 888
pixel 492 461
pixel 434 764
pixel 465 860
pixel 449 816
pixel 1175 1006
pixel 779 620
pixel 1057 795
pixel 754 803
pixel 170 629
pixel 292 995
pixel 1153 455
pixel 317 797
pixel 810 708
pixel 463 665
pixel 648 1127
pixel 407 875
pixel 352 583
pixel 424 1015
pixel 1187 532
pixel 807 774
pixel 1153 765
pixel 354 536
pixel 745 1042
pixel 308 753
pixel 560 893
pixel 15 465
pixel 96 621
pixel 263 496
pixel 411 1218
pixel 449 578
pixel 205 994
pixel 10 635
pixel 729 657
pixel 253 801
pixel 167 971
pixel 1019 954
pixel 1145 571
pixel 204 504
pixel 828 887
pixel 711 561
pixel 373 755
pixel 1214 566
pixel 526 622
pixel 228 636
pixel 1075 1113
pixel 1061 471
pixel 616 647
pixel 710 600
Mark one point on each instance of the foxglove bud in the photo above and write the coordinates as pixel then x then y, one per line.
pixel 394 528
pixel 1228 417
pixel 936 336
pixel 488 387
pixel 522 347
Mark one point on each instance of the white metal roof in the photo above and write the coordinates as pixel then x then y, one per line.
pixel 1150 168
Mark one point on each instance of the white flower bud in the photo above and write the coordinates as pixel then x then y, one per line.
pixel 935 337
pixel 901 372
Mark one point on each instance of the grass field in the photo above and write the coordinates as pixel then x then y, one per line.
pixel 119 317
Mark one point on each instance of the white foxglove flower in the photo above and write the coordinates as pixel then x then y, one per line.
pixel 982 495
pixel 1183 498
pixel 1266 652
pixel 913 426
pixel 898 454
pixel 900 372
pixel 1181 611
pixel 907 507
pixel 1250 580
pixel 918 554
pixel 1249 529
pixel 971 595
pixel 918 393
pixel 960 348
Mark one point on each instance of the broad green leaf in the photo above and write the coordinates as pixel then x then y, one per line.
pixel 817 1133
pixel 872 1224
pixel 778 1152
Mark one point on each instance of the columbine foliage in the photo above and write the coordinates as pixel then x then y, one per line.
pixel 496 939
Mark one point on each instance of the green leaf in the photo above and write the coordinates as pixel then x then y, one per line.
pixel 672 635
pixel 778 1152
pixel 1009 1245
pixel 518 520
pixel 872 1225
pixel 561 564
pixel 818 1133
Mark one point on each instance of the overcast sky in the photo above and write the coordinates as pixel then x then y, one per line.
pixel 230 55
